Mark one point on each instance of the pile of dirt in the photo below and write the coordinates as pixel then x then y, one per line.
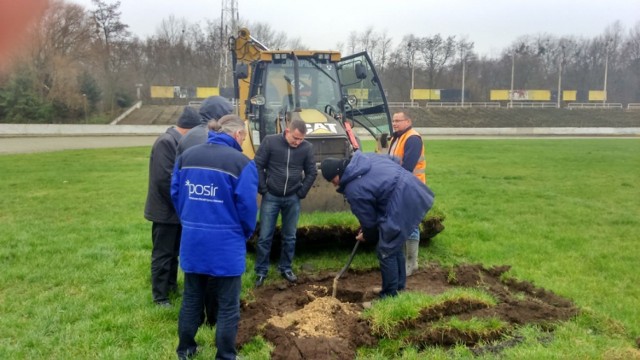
pixel 303 321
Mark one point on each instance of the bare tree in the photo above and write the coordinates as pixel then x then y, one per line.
pixel 384 49
pixel 268 36
pixel 59 48
pixel 297 44
pixel 436 52
pixel 111 36
pixel 352 42
pixel 630 54
pixel 367 39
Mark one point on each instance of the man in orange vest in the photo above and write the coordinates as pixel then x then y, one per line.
pixel 407 146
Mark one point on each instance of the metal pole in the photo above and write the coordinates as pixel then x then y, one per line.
pixel 559 96
pixel 513 67
pixel 463 68
pixel 84 101
pixel 606 68
pixel 413 74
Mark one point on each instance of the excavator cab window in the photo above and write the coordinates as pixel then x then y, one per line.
pixel 316 85
pixel 360 80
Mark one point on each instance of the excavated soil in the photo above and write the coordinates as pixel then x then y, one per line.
pixel 303 321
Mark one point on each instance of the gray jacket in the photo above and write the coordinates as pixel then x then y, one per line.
pixel 284 170
pixel 196 136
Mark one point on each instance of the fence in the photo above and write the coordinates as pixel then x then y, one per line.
pixel 446 105
pixel 542 105
pixel 572 106
pixel 633 106
pixel 404 104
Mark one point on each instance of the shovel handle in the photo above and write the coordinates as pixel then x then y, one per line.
pixel 346 266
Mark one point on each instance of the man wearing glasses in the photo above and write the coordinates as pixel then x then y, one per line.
pixel 406 144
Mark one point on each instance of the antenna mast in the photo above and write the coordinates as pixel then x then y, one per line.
pixel 228 27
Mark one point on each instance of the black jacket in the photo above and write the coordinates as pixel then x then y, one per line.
pixel 159 208
pixel 284 170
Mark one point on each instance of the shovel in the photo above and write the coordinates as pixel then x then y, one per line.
pixel 346 266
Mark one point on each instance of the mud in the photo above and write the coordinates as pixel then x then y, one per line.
pixel 303 321
pixel 320 237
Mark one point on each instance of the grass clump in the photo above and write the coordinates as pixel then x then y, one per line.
pixel 389 314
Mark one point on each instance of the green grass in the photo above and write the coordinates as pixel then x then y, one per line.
pixel 387 314
pixel 75 248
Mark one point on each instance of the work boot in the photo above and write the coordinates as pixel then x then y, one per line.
pixel 289 275
pixel 411 255
pixel 260 280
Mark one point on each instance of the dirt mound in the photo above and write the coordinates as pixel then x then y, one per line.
pixel 303 321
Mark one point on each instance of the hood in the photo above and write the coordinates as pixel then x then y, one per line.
pixel 215 107
pixel 358 166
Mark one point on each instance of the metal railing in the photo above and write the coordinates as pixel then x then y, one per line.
pixel 126 113
pixel 404 104
pixel 572 106
pixel 447 104
pixel 482 104
pixel 633 106
pixel 443 104
pixel 529 105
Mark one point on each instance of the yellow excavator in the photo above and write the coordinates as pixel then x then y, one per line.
pixel 331 94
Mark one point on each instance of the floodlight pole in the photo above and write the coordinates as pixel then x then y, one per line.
pixel 559 95
pixel 464 58
pixel 606 68
pixel 413 71
pixel 513 68
pixel 561 62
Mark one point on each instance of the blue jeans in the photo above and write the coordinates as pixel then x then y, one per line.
pixel 228 295
pixel 415 234
pixel 393 271
pixel 270 207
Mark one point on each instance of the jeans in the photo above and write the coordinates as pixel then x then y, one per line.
pixel 228 294
pixel 164 259
pixel 270 207
pixel 415 234
pixel 393 271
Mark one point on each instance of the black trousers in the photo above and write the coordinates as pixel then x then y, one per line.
pixel 164 259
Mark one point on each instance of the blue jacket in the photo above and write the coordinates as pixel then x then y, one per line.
pixel 214 190
pixel 385 196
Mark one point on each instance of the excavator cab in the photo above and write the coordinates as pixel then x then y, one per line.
pixel 329 93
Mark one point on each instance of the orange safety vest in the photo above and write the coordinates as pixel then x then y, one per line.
pixel 397 149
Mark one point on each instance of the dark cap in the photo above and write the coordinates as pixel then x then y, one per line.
pixel 215 107
pixel 189 118
pixel 331 167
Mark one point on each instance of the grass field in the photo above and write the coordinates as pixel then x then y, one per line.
pixel 75 248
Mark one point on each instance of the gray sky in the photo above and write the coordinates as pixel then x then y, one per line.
pixel 491 24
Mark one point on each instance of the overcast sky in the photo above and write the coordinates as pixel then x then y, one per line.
pixel 491 24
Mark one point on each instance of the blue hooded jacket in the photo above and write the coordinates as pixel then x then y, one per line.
pixel 385 196
pixel 214 190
